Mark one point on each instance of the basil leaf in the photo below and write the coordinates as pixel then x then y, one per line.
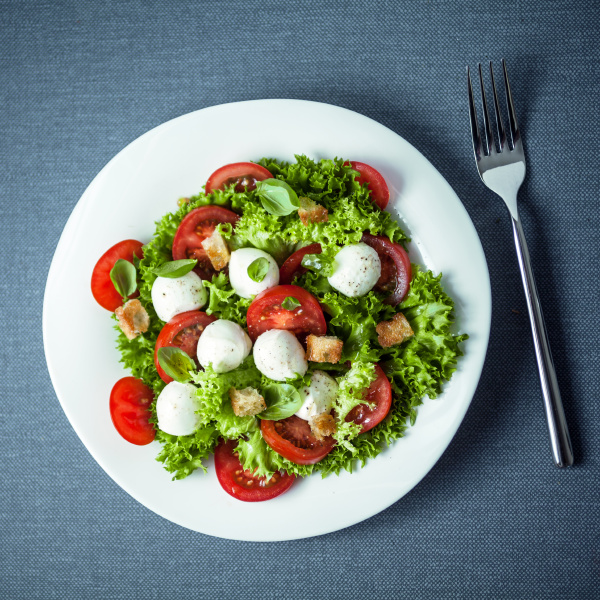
pixel 318 263
pixel 282 399
pixel 123 276
pixel 176 363
pixel 176 268
pixel 290 303
pixel 258 269
pixel 277 197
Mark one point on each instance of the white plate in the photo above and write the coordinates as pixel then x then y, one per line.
pixel 141 184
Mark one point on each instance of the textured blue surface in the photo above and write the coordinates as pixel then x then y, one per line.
pixel 494 518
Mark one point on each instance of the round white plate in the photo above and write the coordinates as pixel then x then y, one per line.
pixel 142 183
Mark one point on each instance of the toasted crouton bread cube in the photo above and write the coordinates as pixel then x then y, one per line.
pixel 246 402
pixel 311 212
pixel 217 251
pixel 391 333
pixel 322 425
pixel 133 318
pixel 323 348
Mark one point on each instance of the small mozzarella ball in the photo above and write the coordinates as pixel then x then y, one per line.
pixel 241 282
pixel 224 345
pixel 173 296
pixel 318 396
pixel 356 270
pixel 176 408
pixel 279 355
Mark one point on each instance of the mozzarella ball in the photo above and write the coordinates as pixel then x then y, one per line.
pixel 279 355
pixel 318 396
pixel 241 282
pixel 356 270
pixel 173 296
pixel 176 408
pixel 224 345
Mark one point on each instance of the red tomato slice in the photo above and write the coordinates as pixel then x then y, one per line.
pixel 197 225
pixel 103 288
pixel 292 267
pixel 293 439
pixel 130 401
pixel 182 331
pixel 396 272
pixel 379 392
pixel 266 312
pixel 242 484
pixel 380 194
pixel 243 174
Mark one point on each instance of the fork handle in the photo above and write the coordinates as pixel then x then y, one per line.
pixel 555 415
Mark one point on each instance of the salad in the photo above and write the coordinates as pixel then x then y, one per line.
pixel 275 320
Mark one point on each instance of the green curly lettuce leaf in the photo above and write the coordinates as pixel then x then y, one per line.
pixel 224 302
pixel 183 454
pixel 331 184
pixel 215 403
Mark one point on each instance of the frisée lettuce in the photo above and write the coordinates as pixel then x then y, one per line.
pixel 416 369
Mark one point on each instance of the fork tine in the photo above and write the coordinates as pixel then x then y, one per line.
pixel 489 138
pixel 512 116
pixel 499 123
pixel 477 149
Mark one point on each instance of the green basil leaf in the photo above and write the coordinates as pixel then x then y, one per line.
pixel 319 263
pixel 277 197
pixel 282 399
pixel 176 363
pixel 123 276
pixel 176 268
pixel 290 303
pixel 258 269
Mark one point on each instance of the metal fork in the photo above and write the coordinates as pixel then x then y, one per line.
pixel 502 169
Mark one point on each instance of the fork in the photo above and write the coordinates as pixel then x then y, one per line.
pixel 502 169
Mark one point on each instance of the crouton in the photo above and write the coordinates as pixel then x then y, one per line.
pixel 322 425
pixel 217 251
pixel 133 318
pixel 391 333
pixel 323 348
pixel 311 212
pixel 246 402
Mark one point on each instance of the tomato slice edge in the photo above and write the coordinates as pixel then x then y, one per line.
pixel 380 193
pixel 228 467
pixel 236 171
pixel 386 249
pixel 130 417
pixel 287 449
pixel 307 318
pixel 102 287
pixel 369 418
pixel 172 328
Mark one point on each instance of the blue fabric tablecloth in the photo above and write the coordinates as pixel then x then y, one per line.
pixel 494 518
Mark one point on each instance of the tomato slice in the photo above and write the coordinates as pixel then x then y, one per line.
pixel 182 331
pixel 103 289
pixel 129 404
pixel 379 392
pixel 293 439
pixel 197 225
pixel 242 484
pixel 244 175
pixel 396 272
pixel 266 312
pixel 292 267
pixel 380 194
